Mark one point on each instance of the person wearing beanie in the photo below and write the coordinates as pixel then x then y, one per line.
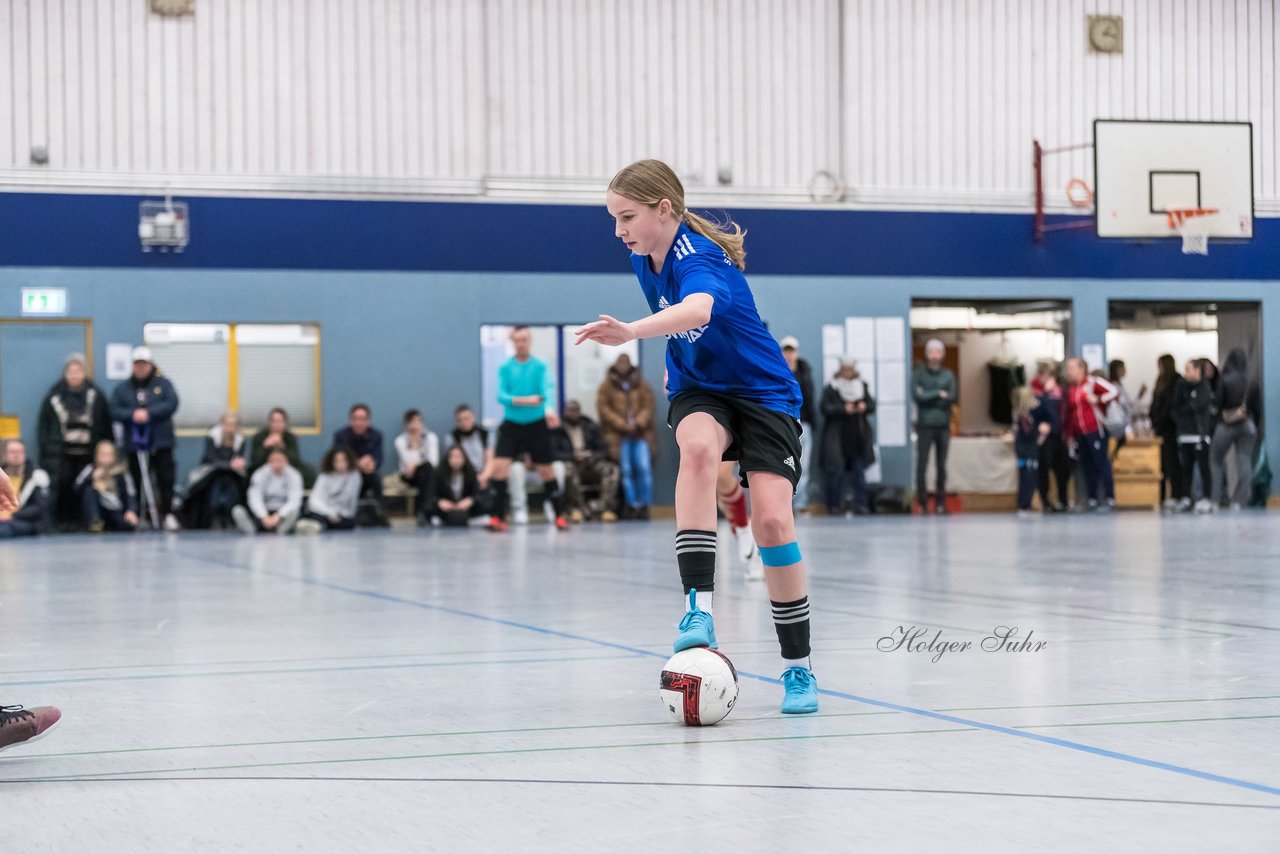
pixel 74 418
pixel 933 388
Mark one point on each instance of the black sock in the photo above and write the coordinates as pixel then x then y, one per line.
pixel 791 622
pixel 551 492
pixel 499 498
pixel 696 557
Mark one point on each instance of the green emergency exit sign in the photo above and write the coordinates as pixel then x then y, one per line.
pixel 44 302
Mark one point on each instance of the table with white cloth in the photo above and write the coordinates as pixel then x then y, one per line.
pixel 976 464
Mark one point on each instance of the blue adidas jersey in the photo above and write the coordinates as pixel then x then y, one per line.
pixel 733 354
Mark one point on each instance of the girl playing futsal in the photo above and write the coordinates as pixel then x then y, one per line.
pixel 732 397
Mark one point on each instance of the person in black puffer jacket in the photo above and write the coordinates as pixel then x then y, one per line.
pixel 1238 403
pixel 74 418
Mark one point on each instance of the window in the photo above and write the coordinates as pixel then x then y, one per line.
pixel 248 368
pixel 577 371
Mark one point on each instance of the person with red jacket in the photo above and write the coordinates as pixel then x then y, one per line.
pixel 1084 398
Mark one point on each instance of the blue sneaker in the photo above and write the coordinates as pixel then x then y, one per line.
pixel 696 629
pixel 802 691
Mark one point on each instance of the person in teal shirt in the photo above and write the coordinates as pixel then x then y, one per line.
pixel 527 396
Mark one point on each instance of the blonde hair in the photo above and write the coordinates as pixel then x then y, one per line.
pixel 648 182
pixel 1024 400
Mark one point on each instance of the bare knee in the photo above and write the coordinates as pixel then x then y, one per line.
pixel 699 458
pixel 773 528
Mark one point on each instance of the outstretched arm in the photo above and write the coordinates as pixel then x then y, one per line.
pixel 690 313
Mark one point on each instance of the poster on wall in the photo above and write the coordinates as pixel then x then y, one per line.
pixel 891 424
pixel 119 361
pixel 1092 354
pixel 859 333
pixel 891 342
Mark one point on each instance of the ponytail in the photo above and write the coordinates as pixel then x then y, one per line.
pixel 731 241
pixel 648 182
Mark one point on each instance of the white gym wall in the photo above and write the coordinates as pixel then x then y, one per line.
pixel 934 105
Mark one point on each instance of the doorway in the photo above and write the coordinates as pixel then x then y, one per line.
pixel 32 354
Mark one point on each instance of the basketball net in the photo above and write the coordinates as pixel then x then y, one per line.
pixel 1193 226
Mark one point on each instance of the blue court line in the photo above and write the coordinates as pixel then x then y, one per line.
pixel 883 704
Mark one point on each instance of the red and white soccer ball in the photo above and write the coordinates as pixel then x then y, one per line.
pixel 699 687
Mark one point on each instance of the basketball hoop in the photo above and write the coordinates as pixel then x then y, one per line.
pixel 1079 194
pixel 1193 226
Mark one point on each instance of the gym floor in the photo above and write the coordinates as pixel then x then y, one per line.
pixel 459 690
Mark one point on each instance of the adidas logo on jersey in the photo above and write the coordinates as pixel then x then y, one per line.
pixel 690 336
pixel 790 462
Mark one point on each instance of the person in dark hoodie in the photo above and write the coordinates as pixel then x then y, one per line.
pixel 1238 403
pixel 108 497
pixel 1193 416
pixel 74 418
pixel 1052 455
pixel 144 406
pixel 32 487
pixel 848 445
pixel 456 490
pixel 477 443
pixel 1164 426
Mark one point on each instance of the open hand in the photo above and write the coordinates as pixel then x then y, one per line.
pixel 607 330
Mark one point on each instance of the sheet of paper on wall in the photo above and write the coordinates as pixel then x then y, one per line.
pixel 119 361
pixel 891 424
pixel 829 367
pixel 890 341
pixel 859 338
pixel 832 341
pixel 873 471
pixel 1092 353
pixel 891 382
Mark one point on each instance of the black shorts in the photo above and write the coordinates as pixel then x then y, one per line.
pixel 516 440
pixel 760 439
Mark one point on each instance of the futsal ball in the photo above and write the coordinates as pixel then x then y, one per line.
pixel 698 686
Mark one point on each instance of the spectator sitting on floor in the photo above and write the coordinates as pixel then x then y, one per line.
pixel 278 435
pixel 335 498
pixel 581 446
pixel 32 487
pixel 74 418
pixel 218 483
pixel 418 452
pixel 144 406
pixel 364 441
pixel 275 497
pixel 475 441
pixel 455 490
pixel 108 495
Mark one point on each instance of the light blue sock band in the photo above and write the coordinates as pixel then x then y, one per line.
pixel 780 555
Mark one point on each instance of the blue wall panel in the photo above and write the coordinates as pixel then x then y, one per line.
pixel 401 289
